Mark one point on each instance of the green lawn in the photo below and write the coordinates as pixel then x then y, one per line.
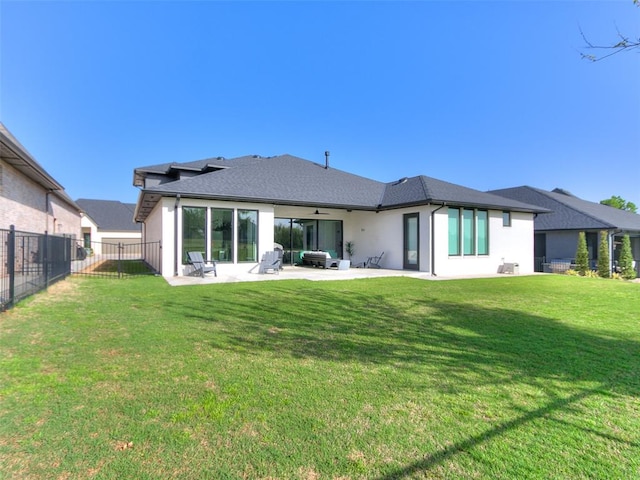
pixel 514 377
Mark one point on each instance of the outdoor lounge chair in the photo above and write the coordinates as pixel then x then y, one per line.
pixel 270 261
pixel 373 262
pixel 199 265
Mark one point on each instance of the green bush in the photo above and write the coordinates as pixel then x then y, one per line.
pixel 582 255
pixel 626 260
pixel 604 267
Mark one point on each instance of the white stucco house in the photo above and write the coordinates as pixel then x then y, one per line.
pixel 233 210
pixel 108 222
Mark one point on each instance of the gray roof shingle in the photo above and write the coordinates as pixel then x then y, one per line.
pixel 423 189
pixel 286 179
pixel 568 212
pixel 110 215
pixel 283 179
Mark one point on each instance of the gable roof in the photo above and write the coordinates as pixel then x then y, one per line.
pixel 110 215
pixel 290 180
pixel 568 212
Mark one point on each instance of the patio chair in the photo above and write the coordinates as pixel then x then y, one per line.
pixel 199 265
pixel 270 261
pixel 373 262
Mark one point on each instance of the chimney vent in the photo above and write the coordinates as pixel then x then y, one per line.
pixel 326 159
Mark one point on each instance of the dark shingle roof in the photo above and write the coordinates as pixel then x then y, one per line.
pixel 110 215
pixel 290 180
pixel 282 179
pixel 422 189
pixel 569 212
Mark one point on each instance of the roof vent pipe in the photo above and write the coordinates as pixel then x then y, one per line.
pixel 326 159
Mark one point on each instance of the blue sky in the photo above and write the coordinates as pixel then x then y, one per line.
pixel 484 94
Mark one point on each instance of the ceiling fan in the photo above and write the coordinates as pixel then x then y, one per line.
pixel 317 212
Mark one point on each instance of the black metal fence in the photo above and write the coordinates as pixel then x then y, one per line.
pixel 30 263
pixel 118 260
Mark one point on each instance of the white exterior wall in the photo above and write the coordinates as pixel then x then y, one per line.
pixel 158 227
pixel 374 233
pixel 99 236
pixel 512 244
pixel 161 221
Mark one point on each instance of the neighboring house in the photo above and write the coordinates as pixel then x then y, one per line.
pixel 30 198
pixel 556 232
pixel 234 210
pixel 108 221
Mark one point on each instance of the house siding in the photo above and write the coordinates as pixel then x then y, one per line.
pixel 108 236
pixel 161 226
pixel 374 233
pixel 561 245
pixel 512 244
pixel 24 203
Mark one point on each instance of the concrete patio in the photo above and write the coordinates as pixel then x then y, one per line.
pixel 309 273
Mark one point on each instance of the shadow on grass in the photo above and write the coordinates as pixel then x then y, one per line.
pixel 444 454
pixel 328 325
pixel 500 344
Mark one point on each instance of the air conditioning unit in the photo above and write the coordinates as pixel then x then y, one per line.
pixel 512 268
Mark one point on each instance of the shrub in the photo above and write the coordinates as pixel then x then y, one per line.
pixel 571 272
pixel 582 255
pixel 626 260
pixel 604 267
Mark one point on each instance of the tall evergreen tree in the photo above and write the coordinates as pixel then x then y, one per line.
pixel 604 267
pixel 626 259
pixel 582 255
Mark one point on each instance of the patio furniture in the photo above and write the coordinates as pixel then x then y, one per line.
pixel 270 261
pixel 319 259
pixel 199 265
pixel 373 262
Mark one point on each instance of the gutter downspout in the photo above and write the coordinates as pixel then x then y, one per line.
pixel 175 236
pixel 433 239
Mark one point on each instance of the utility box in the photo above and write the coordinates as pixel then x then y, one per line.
pixel 512 268
pixel 344 264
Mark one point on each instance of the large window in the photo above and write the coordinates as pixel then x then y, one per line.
pixel 468 232
pixel 247 235
pixel 482 229
pixel 222 234
pixel 194 221
pixel 454 231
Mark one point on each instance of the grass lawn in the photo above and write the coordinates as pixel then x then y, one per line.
pixel 507 378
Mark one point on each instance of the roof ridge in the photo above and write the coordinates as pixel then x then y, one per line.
pixel 425 188
pixel 547 193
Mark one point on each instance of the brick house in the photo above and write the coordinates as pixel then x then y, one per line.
pixel 30 198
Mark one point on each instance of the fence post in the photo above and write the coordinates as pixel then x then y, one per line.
pixel 120 247
pixel 11 263
pixel 45 259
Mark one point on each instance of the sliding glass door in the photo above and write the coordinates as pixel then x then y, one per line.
pixel 297 235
